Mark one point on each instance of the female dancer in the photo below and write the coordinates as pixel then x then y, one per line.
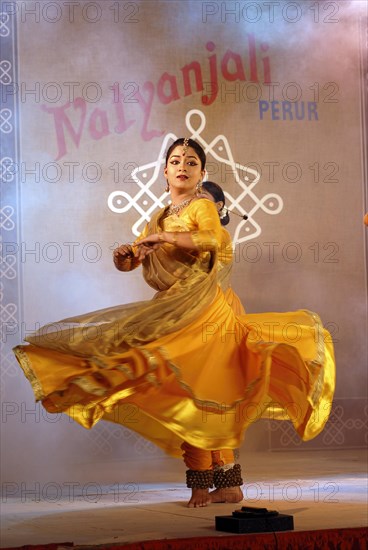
pixel 198 374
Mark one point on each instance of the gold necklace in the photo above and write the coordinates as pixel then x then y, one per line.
pixel 176 208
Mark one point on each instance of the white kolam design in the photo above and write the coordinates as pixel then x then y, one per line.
pixel 151 196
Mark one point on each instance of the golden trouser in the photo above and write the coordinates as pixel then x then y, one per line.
pixel 200 459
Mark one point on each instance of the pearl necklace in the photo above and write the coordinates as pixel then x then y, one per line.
pixel 176 208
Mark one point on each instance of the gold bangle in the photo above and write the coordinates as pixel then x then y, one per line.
pixel 175 238
pixel 161 237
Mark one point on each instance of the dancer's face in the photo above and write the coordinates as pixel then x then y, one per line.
pixel 183 170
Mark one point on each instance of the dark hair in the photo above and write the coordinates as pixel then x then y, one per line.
pixel 191 143
pixel 217 193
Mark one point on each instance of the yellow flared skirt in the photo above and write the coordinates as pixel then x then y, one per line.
pixel 203 384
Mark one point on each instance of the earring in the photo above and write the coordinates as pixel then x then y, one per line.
pixel 199 187
pixel 167 188
pixel 223 213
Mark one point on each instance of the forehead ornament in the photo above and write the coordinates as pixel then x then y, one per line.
pixel 185 145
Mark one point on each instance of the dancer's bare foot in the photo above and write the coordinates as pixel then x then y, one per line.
pixel 229 494
pixel 200 497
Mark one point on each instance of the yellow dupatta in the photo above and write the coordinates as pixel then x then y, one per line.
pixel 186 282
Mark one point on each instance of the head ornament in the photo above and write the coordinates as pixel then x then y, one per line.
pixel 185 145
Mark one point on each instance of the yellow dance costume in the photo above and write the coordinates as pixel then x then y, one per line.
pixel 197 373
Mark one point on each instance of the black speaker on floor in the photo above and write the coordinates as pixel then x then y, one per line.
pixel 254 520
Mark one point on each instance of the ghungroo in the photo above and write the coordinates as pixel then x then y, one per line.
pixel 199 479
pixel 227 478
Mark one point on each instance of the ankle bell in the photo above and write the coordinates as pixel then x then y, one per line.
pixel 225 478
pixel 199 479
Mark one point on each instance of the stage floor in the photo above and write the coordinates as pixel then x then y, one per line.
pixel 320 489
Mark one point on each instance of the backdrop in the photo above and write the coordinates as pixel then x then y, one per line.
pixel 93 93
